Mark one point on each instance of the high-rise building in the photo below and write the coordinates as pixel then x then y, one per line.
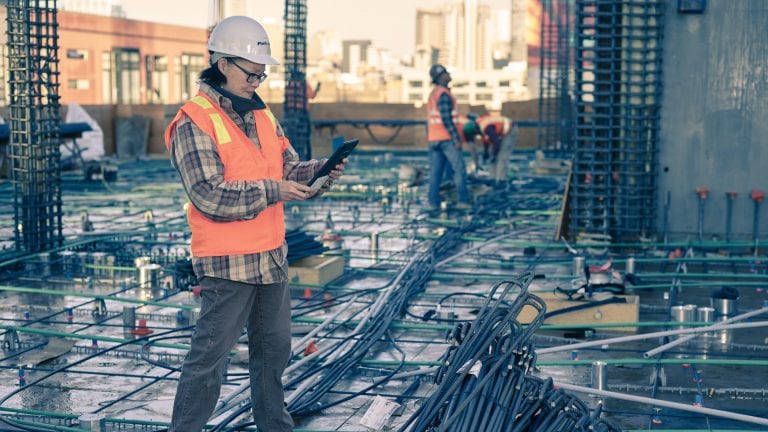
pixel 355 55
pixel 324 45
pixel 533 31
pixel 519 31
pixel 460 35
pixel 430 33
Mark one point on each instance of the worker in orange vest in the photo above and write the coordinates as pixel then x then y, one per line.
pixel 237 168
pixel 498 134
pixel 444 139
pixel 464 124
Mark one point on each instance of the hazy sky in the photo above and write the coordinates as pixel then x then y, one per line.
pixel 388 23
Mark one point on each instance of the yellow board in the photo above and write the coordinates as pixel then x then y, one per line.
pixel 604 314
pixel 316 269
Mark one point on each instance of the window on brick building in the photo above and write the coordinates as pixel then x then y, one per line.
pixel 191 66
pixel 156 69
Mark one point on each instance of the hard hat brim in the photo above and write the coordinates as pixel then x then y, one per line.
pixel 253 58
pixel 261 59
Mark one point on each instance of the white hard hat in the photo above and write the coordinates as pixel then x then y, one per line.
pixel 240 36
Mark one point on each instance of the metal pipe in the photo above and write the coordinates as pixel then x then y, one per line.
pixel 716 326
pixel 374 245
pixel 667 203
pixel 599 375
pixel 730 197
pixel 129 317
pixel 702 192
pixel 93 296
pixel 663 403
pixel 629 267
pixel 323 325
pixel 578 266
pixel 631 338
pixel 339 351
pixel 757 197
pixel 493 240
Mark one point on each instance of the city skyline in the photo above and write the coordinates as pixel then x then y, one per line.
pixel 389 25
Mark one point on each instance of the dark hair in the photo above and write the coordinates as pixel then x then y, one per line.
pixel 212 75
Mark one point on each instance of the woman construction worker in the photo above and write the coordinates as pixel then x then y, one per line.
pixel 237 168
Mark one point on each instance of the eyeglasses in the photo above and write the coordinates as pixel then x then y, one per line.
pixel 250 77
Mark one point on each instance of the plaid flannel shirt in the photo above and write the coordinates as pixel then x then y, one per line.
pixel 194 155
pixel 445 106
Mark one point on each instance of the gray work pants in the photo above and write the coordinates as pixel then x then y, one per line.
pixel 227 307
pixel 500 170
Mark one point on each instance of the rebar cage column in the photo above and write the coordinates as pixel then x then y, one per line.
pixel 296 121
pixel 555 133
pixel 618 104
pixel 34 123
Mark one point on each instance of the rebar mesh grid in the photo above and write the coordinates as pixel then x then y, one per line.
pixel 618 103
pixel 556 80
pixel 34 123
pixel 296 112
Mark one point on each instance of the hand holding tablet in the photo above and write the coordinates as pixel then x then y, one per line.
pixel 338 156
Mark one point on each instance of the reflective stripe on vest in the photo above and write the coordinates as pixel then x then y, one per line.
pixel 243 161
pixel 436 130
pixel 501 124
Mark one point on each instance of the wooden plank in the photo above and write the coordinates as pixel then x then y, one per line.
pixel 316 269
pixel 603 314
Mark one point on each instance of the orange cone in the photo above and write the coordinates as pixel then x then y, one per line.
pixel 142 329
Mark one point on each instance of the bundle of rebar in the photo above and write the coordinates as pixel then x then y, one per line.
pixel 485 382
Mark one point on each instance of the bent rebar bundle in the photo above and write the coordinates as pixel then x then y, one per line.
pixel 485 383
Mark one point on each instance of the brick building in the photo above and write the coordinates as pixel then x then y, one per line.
pixel 106 60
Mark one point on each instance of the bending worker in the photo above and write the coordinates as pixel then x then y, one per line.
pixel 237 168
pixel 497 133
pixel 444 139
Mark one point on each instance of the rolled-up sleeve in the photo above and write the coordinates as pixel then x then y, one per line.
pixel 194 155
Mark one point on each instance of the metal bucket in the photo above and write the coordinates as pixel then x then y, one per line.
pixel 705 314
pixel 149 276
pixel 724 306
pixel 682 313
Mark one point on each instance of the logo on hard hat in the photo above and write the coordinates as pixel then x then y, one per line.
pixel 262 43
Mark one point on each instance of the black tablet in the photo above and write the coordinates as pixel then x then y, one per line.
pixel 336 158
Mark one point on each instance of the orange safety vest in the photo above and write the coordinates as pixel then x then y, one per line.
pixel 500 123
pixel 436 130
pixel 242 161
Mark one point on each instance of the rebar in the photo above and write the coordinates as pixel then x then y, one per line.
pixel 296 119
pixel 618 101
pixel 34 123
pixel 555 79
